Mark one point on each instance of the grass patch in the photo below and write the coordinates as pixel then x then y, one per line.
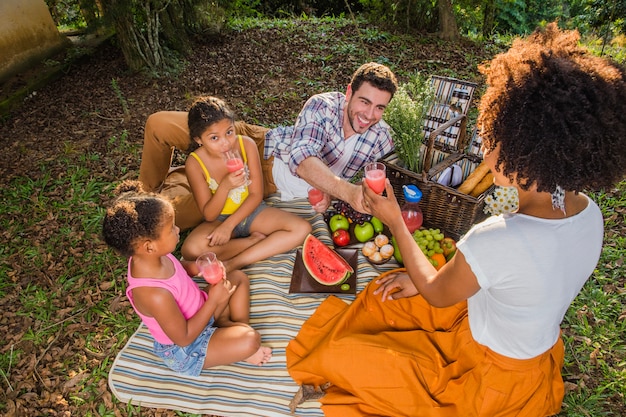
pixel 595 324
pixel 64 286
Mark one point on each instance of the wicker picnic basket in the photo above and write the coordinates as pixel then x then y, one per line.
pixel 444 207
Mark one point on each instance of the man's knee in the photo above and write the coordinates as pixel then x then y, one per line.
pixel 168 128
pixel 186 211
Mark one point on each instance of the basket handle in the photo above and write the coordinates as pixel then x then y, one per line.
pixel 433 135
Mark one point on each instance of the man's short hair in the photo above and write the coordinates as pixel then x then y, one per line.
pixel 379 75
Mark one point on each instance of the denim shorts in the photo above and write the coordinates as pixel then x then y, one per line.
pixel 186 360
pixel 243 228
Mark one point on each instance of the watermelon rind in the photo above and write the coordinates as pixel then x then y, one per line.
pixel 324 264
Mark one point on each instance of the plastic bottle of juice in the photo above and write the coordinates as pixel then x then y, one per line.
pixel 411 211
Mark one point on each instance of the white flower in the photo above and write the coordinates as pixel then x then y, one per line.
pixel 501 200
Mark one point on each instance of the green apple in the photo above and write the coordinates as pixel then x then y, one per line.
pixel 338 222
pixel 364 232
pixel 378 225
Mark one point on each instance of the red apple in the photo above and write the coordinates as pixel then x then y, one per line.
pixel 449 247
pixel 341 237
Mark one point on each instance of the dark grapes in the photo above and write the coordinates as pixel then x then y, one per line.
pixel 346 209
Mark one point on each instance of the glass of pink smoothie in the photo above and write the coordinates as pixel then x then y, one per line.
pixel 234 162
pixel 210 267
pixel 315 195
pixel 375 176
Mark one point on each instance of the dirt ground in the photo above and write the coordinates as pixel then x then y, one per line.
pixel 261 74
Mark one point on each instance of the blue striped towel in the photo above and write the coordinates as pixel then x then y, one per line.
pixel 138 377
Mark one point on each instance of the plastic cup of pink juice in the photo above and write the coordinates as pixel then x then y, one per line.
pixel 234 163
pixel 375 175
pixel 210 267
pixel 315 196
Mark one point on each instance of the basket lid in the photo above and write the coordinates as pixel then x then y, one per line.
pixel 412 194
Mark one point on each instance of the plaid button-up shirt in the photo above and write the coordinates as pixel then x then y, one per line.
pixel 318 132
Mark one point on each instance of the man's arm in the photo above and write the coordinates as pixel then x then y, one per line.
pixel 314 171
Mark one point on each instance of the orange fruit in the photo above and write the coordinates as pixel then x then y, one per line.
pixel 439 259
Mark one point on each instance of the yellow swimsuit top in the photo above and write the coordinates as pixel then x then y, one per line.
pixel 236 196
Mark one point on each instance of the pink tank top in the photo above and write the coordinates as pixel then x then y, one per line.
pixel 185 291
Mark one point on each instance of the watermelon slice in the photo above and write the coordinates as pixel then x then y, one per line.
pixel 324 264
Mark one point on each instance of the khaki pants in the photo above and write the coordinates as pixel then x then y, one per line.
pixel 167 130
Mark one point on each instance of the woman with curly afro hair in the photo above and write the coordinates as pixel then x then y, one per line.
pixel 481 335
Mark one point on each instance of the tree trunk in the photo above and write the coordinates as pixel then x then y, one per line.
pixel 91 10
pixel 489 12
pixel 137 27
pixel 174 27
pixel 449 28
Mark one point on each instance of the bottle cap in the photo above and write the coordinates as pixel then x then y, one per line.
pixel 412 194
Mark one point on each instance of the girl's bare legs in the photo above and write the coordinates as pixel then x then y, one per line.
pixel 284 232
pixel 239 342
pixel 238 309
pixel 234 340
pixel 196 243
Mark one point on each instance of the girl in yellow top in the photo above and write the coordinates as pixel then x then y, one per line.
pixel 238 226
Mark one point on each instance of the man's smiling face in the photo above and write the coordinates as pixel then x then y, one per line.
pixel 364 108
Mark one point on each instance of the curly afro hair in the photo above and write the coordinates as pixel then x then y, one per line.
pixel 133 215
pixel 558 113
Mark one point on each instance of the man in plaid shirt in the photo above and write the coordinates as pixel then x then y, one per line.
pixel 334 136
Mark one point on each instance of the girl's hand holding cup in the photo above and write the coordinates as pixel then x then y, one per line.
pixel 234 163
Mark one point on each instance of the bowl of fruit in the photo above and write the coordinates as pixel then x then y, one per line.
pixel 378 250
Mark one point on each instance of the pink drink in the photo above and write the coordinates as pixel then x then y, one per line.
pixel 376 180
pixel 212 272
pixel 412 219
pixel 315 196
pixel 233 165
pixel 210 267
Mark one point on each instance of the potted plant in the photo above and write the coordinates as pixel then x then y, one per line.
pixel 406 114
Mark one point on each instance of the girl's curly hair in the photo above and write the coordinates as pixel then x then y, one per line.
pixel 558 113
pixel 133 215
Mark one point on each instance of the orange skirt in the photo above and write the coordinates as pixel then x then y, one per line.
pixel 407 358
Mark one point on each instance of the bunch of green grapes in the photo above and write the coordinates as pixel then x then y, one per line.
pixel 429 241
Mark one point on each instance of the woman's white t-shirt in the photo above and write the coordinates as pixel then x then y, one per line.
pixel 529 271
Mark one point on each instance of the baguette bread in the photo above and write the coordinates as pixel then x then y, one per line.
pixel 474 178
pixel 483 185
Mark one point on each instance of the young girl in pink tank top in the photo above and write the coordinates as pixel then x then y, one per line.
pixel 193 329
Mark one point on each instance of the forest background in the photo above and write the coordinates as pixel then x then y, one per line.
pixel 67 143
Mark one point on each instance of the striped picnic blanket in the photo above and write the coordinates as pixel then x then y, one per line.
pixel 138 377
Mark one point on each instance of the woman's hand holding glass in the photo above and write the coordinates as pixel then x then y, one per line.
pixel 319 200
